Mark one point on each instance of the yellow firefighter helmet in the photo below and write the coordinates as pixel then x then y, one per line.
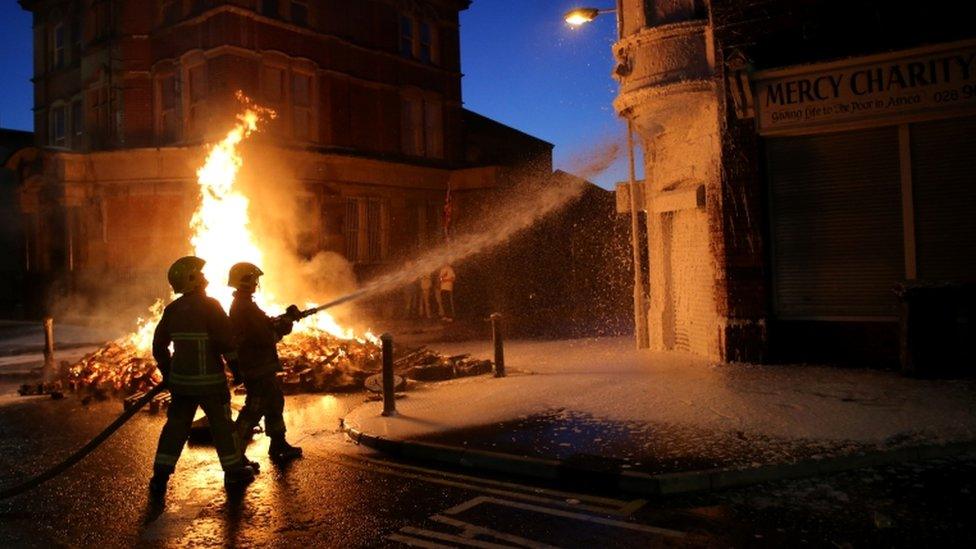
pixel 186 274
pixel 244 276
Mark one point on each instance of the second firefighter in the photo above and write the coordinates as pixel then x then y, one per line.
pixel 257 336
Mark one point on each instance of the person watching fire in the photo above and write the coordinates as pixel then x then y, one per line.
pixel 200 332
pixel 257 336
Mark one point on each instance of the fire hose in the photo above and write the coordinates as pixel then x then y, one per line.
pixel 84 450
pixel 127 415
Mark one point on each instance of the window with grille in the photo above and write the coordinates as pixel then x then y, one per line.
pixel 366 230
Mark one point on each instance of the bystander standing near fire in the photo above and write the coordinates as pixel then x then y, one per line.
pixel 257 336
pixel 445 302
pixel 425 286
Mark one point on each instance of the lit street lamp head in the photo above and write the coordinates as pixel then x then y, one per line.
pixel 580 16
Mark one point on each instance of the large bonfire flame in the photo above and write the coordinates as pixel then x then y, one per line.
pixel 319 354
pixel 222 235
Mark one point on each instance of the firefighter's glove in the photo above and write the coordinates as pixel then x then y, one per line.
pixel 293 313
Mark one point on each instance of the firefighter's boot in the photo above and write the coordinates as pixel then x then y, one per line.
pixel 282 451
pixel 238 477
pixel 158 482
pixel 255 466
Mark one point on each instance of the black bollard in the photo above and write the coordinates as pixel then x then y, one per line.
pixel 496 338
pixel 49 345
pixel 389 398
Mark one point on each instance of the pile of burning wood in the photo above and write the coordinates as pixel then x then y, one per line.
pixel 311 363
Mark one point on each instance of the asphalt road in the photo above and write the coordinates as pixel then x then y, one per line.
pixel 340 495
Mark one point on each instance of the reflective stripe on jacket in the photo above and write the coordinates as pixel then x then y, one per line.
pixel 200 333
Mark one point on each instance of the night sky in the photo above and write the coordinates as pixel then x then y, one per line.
pixel 523 66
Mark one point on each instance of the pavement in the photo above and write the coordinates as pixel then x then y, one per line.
pixel 598 412
pixel 346 494
pixel 22 346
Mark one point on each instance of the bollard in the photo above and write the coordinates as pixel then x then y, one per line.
pixel 389 398
pixel 48 343
pixel 496 338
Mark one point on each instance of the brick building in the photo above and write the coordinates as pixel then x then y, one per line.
pixel 370 122
pixel 802 158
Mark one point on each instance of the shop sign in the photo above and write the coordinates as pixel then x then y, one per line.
pixel 903 85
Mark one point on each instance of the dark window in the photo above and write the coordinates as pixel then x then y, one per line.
pixel 102 16
pixel 269 8
pixel 425 43
pixel 301 96
pixel 406 36
pixel 299 13
pixel 77 119
pixel 169 122
pixel 58 127
pixel 59 46
pixel 350 229
pixel 171 12
pixel 200 5
pixel 76 27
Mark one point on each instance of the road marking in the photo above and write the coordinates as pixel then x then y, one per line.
pixel 485 489
pixel 448 537
pixel 557 493
pixel 416 542
pixel 458 509
pixel 632 507
pixel 471 530
pixel 565 514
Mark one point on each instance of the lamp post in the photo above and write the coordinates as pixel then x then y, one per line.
pixel 578 17
pixel 581 16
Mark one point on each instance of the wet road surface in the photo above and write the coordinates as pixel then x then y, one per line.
pixel 340 495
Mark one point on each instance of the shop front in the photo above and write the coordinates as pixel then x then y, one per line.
pixel 870 182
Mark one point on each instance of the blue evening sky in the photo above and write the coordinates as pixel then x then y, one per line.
pixel 523 66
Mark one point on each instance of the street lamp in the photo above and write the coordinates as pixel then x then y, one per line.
pixel 581 16
pixel 578 17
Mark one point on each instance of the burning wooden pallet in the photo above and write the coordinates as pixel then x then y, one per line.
pixel 311 363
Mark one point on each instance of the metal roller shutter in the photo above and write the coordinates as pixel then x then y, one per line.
pixel 944 184
pixel 836 224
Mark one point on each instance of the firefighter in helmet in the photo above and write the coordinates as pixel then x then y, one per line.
pixel 257 335
pixel 200 332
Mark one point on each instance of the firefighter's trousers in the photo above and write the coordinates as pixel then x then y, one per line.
pixel 179 419
pixel 264 399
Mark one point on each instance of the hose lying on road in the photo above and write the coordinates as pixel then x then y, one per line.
pixel 136 406
pixel 84 450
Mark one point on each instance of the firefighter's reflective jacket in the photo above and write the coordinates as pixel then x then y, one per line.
pixel 257 335
pixel 200 332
